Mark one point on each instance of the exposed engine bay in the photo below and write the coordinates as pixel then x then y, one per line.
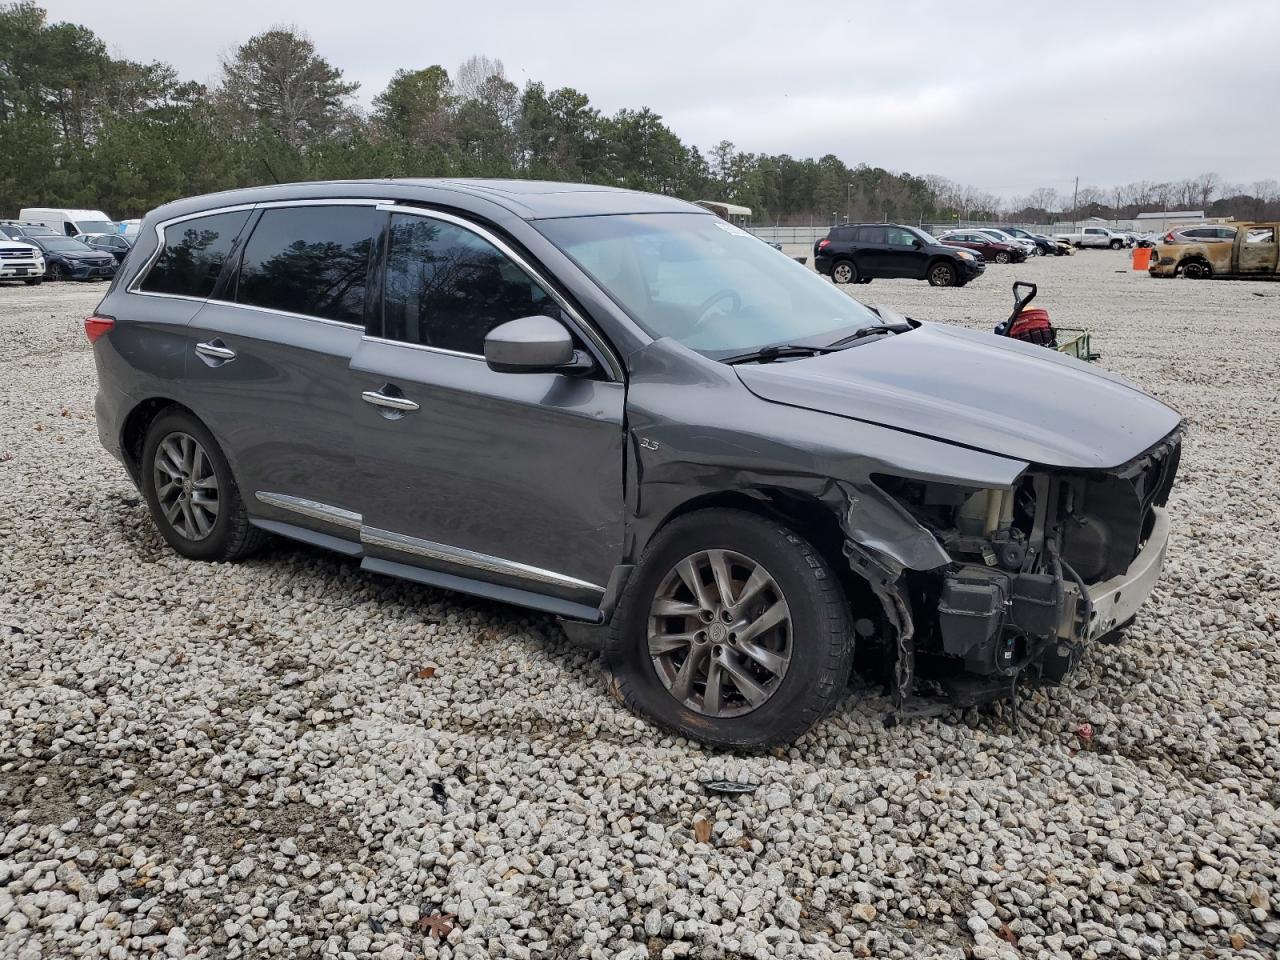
pixel 1037 572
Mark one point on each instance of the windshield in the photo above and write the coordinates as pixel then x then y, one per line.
pixel 40 232
pixel 699 280
pixel 65 246
pixel 925 235
pixel 95 226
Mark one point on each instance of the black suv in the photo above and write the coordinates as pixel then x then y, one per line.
pixel 860 252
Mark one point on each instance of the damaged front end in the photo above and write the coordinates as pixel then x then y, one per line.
pixel 1025 577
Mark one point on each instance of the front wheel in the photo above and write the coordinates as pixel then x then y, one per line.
pixel 192 496
pixel 733 631
pixel 34 281
pixel 56 272
pixel 1116 244
pixel 845 271
pixel 942 275
pixel 1002 257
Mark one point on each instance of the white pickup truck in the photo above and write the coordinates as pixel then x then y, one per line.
pixel 1094 237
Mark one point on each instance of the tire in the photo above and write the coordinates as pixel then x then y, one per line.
pixel 55 272
pixel 228 536
pixel 942 274
pixel 844 271
pixel 1117 244
pixel 1197 270
pixel 816 637
pixel 1002 256
pixel 34 282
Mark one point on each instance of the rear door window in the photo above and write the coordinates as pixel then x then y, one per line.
pixel 872 235
pixel 447 287
pixel 193 254
pixel 310 260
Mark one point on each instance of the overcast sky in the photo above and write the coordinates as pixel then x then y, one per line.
pixel 1004 96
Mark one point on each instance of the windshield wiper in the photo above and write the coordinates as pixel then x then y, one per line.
pixel 870 331
pixel 776 351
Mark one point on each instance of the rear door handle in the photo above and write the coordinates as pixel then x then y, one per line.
pixel 380 399
pixel 215 349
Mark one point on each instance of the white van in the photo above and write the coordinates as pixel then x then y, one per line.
pixel 73 223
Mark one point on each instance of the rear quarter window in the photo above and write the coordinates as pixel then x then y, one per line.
pixel 193 254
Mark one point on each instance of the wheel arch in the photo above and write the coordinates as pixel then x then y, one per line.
pixel 133 430
pixel 800 511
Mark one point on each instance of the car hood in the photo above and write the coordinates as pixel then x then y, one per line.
pixel 976 390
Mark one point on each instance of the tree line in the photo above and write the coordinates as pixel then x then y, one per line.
pixel 80 128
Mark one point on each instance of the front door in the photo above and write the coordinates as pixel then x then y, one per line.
pixel 1258 249
pixel 904 255
pixel 513 479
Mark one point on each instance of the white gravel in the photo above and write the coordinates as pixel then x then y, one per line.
pixel 234 761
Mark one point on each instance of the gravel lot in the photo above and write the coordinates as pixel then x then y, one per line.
pixel 294 758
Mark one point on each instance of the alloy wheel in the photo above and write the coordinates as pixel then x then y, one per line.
pixel 186 485
pixel 843 273
pixel 941 275
pixel 720 633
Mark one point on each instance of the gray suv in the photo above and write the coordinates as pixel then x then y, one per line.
pixel 619 409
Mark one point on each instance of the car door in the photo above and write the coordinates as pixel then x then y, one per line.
pixel 269 356
pixel 511 480
pixel 872 252
pixel 904 254
pixel 1258 249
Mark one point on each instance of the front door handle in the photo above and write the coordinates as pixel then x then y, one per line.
pixel 216 350
pixel 380 399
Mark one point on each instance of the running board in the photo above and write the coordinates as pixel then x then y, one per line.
pixel 481 588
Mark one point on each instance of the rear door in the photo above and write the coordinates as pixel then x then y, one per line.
pixel 514 479
pixel 872 257
pixel 1258 249
pixel 268 357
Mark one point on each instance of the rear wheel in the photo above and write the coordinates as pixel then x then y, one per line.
pixel 844 271
pixel 1197 270
pixel 191 493
pixel 943 275
pixel 733 630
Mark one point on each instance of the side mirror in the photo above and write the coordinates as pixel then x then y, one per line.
pixel 535 344
pixel 916 243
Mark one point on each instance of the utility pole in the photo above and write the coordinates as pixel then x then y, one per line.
pixel 1075 205
pixel 848 202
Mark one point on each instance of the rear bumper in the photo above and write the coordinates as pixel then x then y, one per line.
pixel 1115 601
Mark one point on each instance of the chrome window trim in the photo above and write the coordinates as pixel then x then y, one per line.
pixel 423 346
pixel 135 285
pixel 469 558
pixel 284 313
pixel 613 364
pixel 311 508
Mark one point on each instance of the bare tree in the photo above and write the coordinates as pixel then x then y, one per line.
pixel 472 76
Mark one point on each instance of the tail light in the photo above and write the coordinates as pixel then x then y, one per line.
pixel 823 243
pixel 1168 237
pixel 96 327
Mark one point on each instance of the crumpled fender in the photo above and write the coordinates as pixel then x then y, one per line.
pixel 883 528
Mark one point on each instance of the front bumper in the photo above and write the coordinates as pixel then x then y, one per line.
pixel 20 269
pixel 87 271
pixel 972 268
pixel 1115 601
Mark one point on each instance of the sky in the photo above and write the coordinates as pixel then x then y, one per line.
pixel 1005 97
